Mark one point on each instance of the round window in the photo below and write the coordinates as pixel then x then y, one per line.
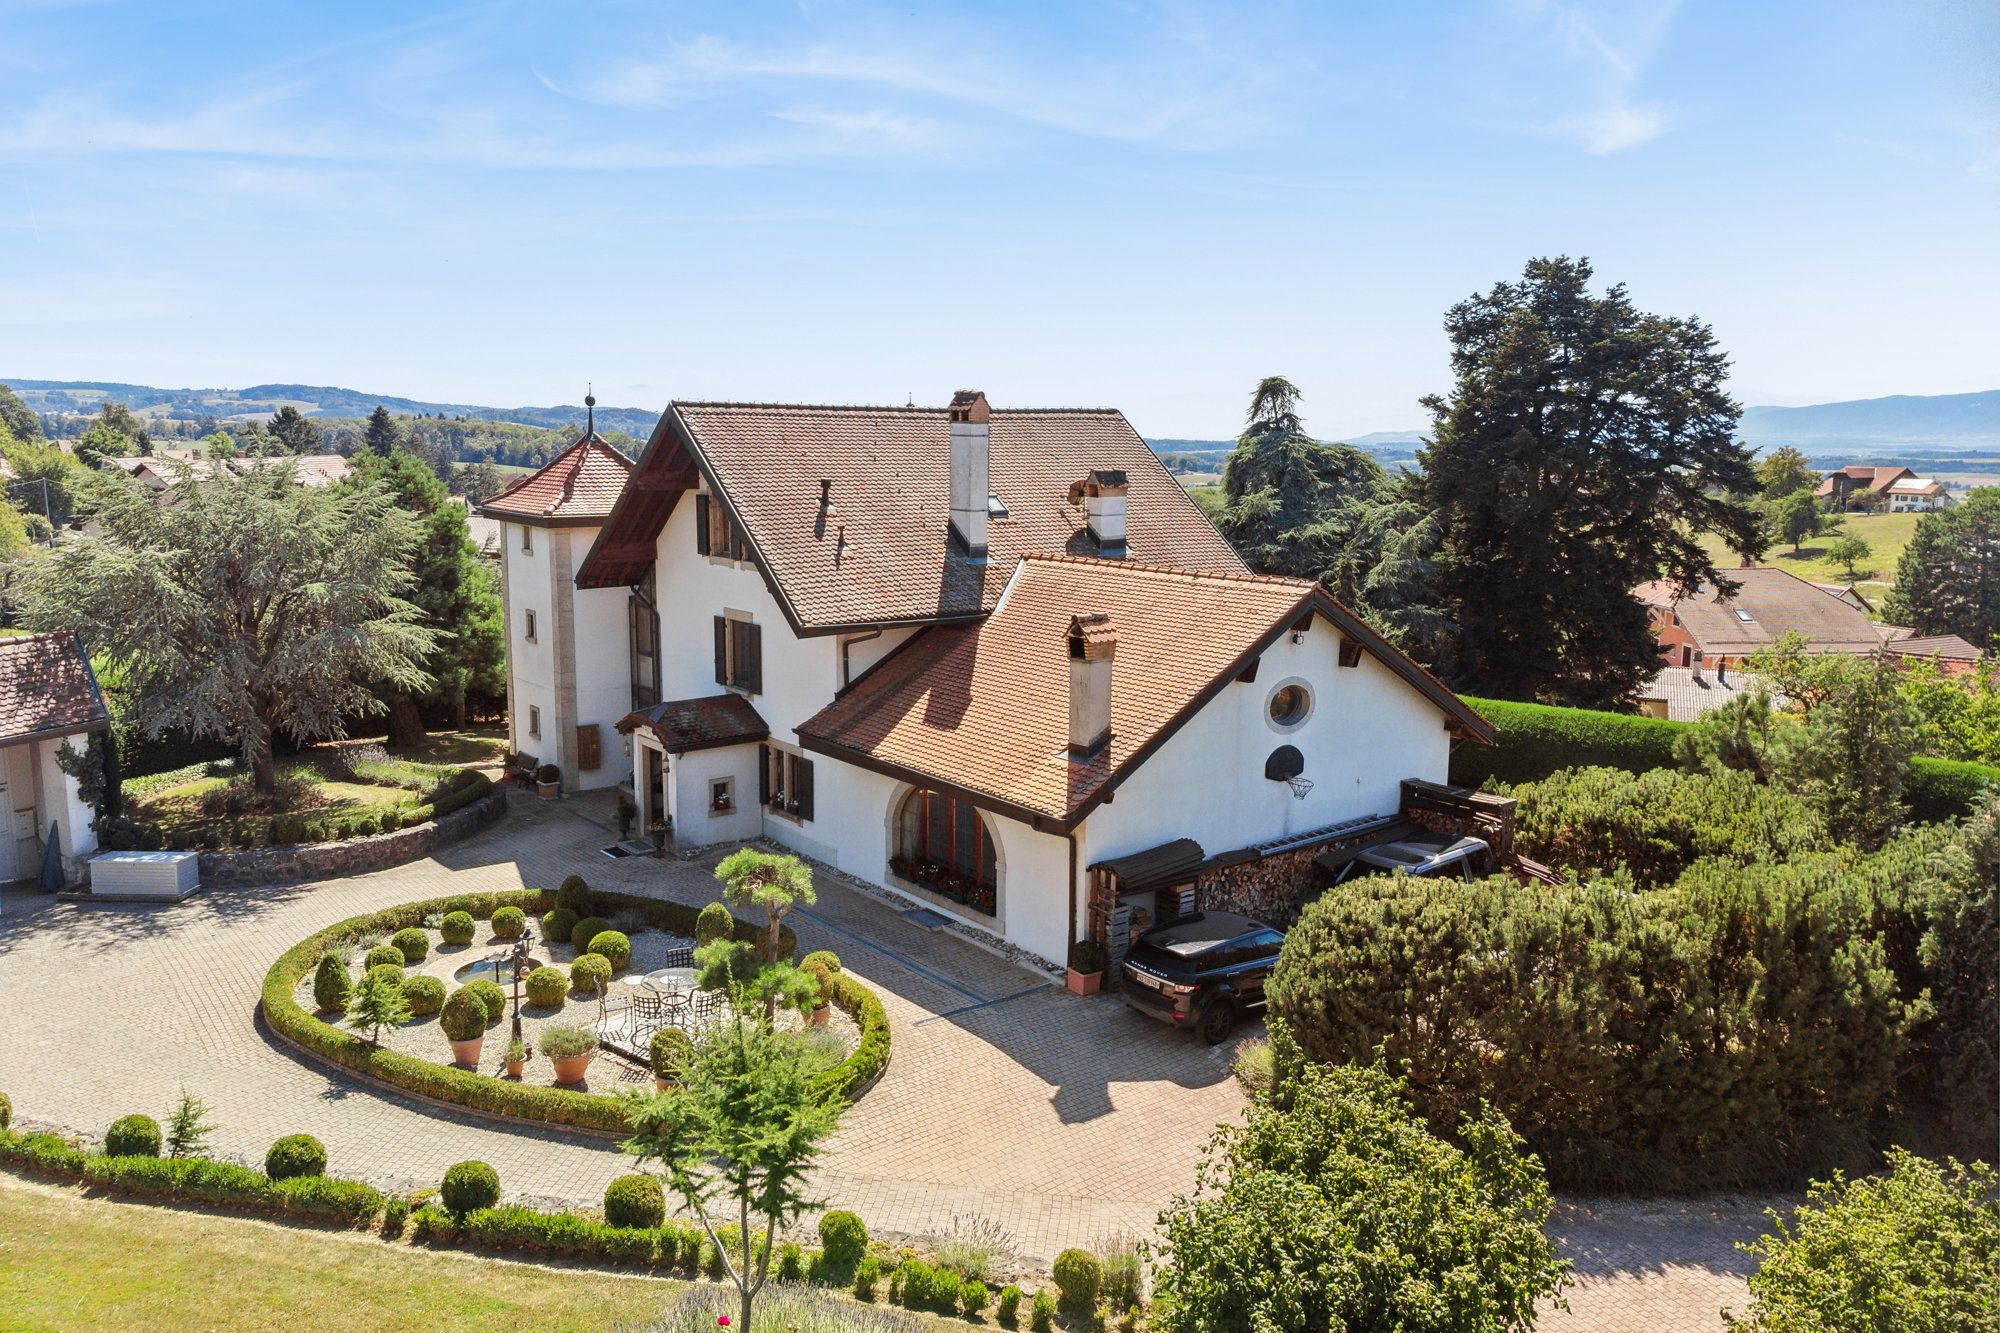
pixel 1290 704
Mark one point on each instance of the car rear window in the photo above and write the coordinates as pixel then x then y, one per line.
pixel 1175 957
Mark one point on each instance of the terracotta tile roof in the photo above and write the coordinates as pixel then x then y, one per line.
pixel 699 724
pixel 984 707
pixel 1949 646
pixel 1688 694
pixel 880 551
pixel 46 686
pixel 1772 603
pixel 580 484
pixel 1862 475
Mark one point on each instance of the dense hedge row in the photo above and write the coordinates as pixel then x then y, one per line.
pixel 1536 740
pixel 194 1180
pixel 553 1105
pixel 517 1230
pixel 1750 1025
pixel 1593 821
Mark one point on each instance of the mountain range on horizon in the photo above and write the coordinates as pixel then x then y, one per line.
pixel 1959 420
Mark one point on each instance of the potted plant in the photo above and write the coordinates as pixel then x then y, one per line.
pixel 517 1058
pixel 548 782
pixel 661 831
pixel 822 979
pixel 1086 967
pixel 569 1049
pixel 627 812
pixel 463 1019
pixel 670 1051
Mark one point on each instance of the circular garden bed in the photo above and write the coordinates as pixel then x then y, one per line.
pixel 414 1056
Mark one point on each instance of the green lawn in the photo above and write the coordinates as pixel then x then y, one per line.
pixel 68 1262
pixel 1886 534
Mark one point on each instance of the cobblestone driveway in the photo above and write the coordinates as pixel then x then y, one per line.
pixel 1064 1120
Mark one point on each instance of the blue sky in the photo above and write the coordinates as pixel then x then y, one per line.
pixel 1145 205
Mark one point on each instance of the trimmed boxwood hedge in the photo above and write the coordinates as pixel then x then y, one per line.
pixel 1535 740
pixel 558 1106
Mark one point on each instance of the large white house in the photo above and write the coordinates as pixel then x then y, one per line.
pixel 995 660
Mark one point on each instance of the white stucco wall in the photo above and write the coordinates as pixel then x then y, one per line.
pixel 603 665
pixel 1368 730
pixel 688 776
pixel 59 803
pixel 531 667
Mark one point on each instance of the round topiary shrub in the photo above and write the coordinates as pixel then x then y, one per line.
pixel 590 973
pixel 490 995
pixel 295 1155
pixel 713 923
pixel 424 995
pixel 463 1016
pixel 586 930
pixel 509 923
pixel 826 958
pixel 822 977
pixel 670 1051
pixel 1078 1274
pixel 133 1136
pixel 614 947
pixel 384 955
pixel 331 984
pixel 635 1201
pixel 467 1186
pixel 458 928
pixel 6 1111
pixel 392 972
pixel 843 1237
pixel 415 944
pixel 558 924
pixel 573 895
pixel 546 987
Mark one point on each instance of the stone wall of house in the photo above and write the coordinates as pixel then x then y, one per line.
pixel 323 860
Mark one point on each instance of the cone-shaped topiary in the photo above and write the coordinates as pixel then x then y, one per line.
pixel 331 985
pixel 424 995
pixel 463 1016
pixel 713 923
pixel 635 1201
pixel 546 987
pixel 509 923
pixel 574 895
pixel 295 1155
pixel 458 928
pixel 613 947
pixel 415 944
pixel 586 930
pixel 467 1186
pixel 133 1136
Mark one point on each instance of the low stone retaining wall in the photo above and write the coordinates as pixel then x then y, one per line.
pixel 320 860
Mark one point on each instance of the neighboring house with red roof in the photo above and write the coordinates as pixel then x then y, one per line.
pixel 48 696
pixel 980 657
pixel 567 673
pixel 1897 489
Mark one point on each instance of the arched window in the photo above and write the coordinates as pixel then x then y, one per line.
pixel 943 844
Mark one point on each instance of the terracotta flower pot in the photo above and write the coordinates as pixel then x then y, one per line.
pixel 572 1070
pixel 548 791
pixel 515 1068
pixel 660 1084
pixel 467 1052
pixel 820 1016
pixel 1084 983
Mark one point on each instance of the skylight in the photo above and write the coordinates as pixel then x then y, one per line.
pixel 1743 615
pixel 994 507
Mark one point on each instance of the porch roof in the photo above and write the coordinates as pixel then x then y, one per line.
pixel 1170 863
pixel 708 723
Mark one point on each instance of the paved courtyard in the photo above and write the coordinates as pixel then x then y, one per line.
pixel 1064 1120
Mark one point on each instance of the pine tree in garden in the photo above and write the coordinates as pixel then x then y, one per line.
pixel 378 1003
pixel 188 1127
pixel 381 437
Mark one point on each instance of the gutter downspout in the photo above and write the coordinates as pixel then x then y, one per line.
pixel 1073 858
pixel 847 642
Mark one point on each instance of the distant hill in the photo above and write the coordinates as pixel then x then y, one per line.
pixel 1944 419
pixel 315 400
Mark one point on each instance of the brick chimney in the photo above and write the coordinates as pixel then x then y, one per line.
pixel 1103 496
pixel 1092 644
pixel 969 485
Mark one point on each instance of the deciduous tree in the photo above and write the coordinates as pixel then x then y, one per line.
pixel 1783 471
pixel 1793 518
pixel 1585 448
pixel 17 417
pixel 1948 581
pixel 241 604
pixel 1850 549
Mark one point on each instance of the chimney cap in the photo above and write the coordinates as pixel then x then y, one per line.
pixel 969 405
pixel 1099 481
pixel 1091 636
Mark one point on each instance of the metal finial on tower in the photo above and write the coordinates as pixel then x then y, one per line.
pixel 590 406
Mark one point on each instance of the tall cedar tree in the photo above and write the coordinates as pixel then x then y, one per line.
pixel 241 604
pixel 1948 581
pixel 296 430
pixel 19 419
pixel 382 437
pixel 454 590
pixel 1585 448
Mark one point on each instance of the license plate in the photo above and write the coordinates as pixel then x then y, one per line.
pixel 1148 980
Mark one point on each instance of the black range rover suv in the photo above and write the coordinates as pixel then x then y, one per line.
pixel 1201 971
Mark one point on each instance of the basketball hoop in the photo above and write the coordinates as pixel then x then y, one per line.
pixel 1299 786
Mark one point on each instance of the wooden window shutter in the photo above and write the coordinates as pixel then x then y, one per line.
pixel 751 667
pixel 721 650
pixel 589 752
pixel 804 782
pixel 701 524
pixel 1350 652
pixel 763 775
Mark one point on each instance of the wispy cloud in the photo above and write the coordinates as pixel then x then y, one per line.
pixel 1610 45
